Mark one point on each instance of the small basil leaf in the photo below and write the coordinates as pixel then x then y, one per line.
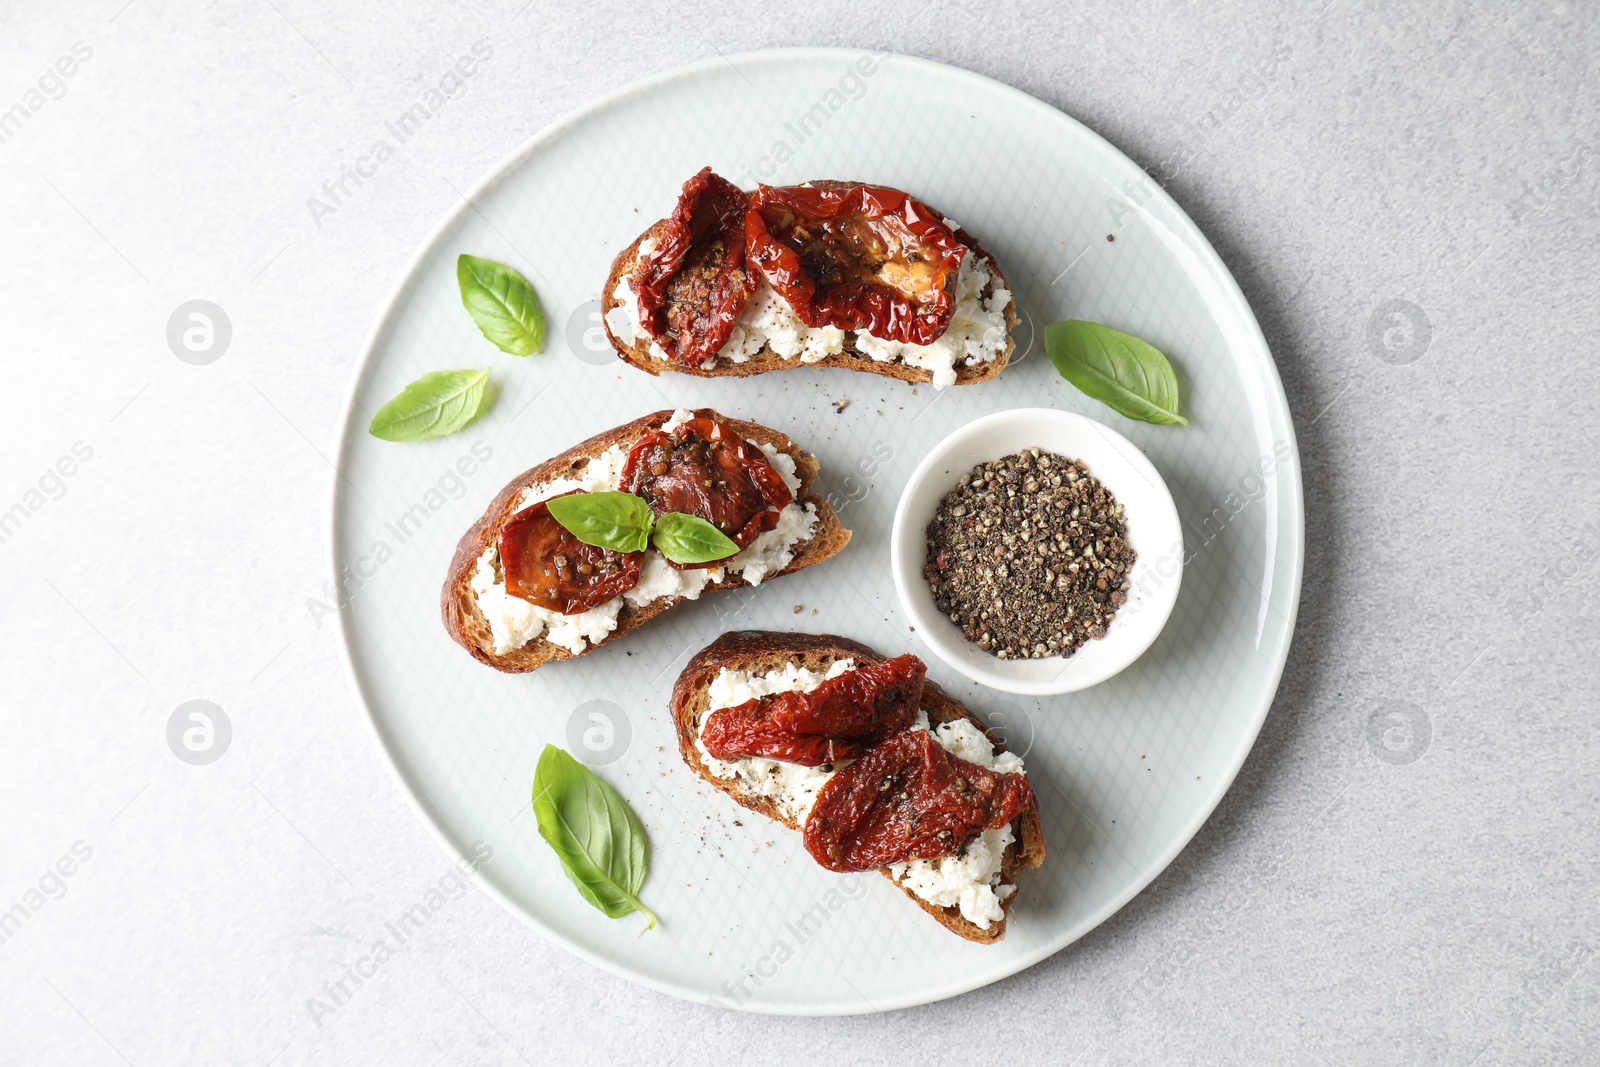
pixel 596 836
pixel 691 539
pixel 502 303
pixel 618 521
pixel 438 403
pixel 1127 374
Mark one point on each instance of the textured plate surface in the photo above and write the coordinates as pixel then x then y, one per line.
pixel 1126 772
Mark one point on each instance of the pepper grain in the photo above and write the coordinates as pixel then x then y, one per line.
pixel 1029 556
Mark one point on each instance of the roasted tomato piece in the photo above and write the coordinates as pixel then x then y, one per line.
pixel 859 257
pixel 748 730
pixel 908 799
pixel 705 468
pixel 870 703
pixel 692 288
pixel 549 568
pixel 838 720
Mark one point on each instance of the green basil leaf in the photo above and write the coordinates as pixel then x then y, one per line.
pixel 691 539
pixel 618 521
pixel 502 303
pixel 1127 374
pixel 438 403
pixel 597 837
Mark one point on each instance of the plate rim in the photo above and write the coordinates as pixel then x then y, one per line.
pixel 381 324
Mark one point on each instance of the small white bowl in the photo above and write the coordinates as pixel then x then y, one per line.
pixel 1153 532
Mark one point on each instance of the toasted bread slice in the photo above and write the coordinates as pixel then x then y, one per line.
pixel 459 605
pixel 762 651
pixel 638 353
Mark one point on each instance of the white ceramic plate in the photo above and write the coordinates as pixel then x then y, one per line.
pixel 1126 772
pixel 1154 534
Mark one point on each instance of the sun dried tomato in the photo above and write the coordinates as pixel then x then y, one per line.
pixel 704 468
pixel 908 799
pixel 840 719
pixel 692 288
pixel 748 730
pixel 859 257
pixel 870 703
pixel 548 567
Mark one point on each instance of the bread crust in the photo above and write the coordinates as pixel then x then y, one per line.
pixel 762 650
pixel 638 353
pixel 458 604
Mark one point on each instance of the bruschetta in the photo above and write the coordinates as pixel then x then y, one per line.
pixel 825 274
pixel 877 768
pixel 522 591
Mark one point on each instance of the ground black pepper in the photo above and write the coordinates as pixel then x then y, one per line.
pixel 1029 555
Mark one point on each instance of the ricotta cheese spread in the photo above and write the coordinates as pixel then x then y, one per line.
pixel 977 331
pixel 514 622
pixel 970 882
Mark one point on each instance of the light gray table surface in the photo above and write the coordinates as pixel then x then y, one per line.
pixel 1405 870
